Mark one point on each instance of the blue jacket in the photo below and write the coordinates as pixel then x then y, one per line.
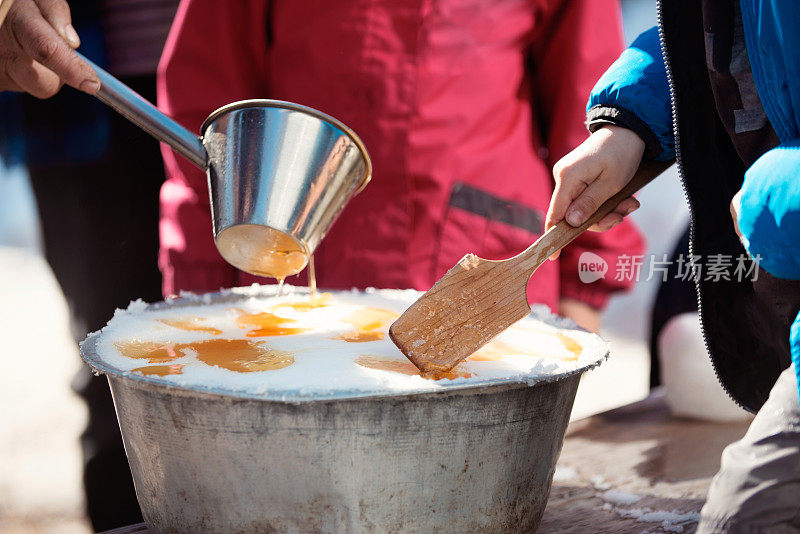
pixel 637 88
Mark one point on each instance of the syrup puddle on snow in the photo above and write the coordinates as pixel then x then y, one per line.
pixel 238 355
pixel 159 370
pixel 268 323
pixel 407 368
pixel 360 336
pixel 369 324
pixel 192 324
pixel 496 350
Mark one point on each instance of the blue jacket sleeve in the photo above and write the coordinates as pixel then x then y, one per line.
pixel 634 93
pixel 795 345
pixel 769 211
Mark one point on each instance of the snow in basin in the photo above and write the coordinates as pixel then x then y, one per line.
pixel 323 365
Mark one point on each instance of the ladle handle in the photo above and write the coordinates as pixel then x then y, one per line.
pixel 147 117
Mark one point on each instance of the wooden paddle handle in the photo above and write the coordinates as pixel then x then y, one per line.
pixel 5 5
pixel 563 233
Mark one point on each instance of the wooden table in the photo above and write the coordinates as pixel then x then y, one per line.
pixel 628 470
pixel 637 461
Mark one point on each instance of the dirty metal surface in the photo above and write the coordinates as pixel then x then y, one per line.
pixel 625 470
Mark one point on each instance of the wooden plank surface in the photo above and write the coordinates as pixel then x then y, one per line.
pixel 635 469
pixel 630 469
pixel 139 528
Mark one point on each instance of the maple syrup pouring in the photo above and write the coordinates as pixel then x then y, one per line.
pixel 312 277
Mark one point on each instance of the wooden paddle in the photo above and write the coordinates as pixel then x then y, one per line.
pixel 477 299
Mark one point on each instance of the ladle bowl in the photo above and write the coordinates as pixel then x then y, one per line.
pixel 279 173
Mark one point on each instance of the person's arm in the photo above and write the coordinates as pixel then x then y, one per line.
pixel 37 55
pixel 766 216
pixel 794 338
pixel 634 93
pixel 216 54
pixel 630 117
pixel 767 211
pixel 580 41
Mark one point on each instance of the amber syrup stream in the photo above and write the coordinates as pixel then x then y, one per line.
pixel 312 277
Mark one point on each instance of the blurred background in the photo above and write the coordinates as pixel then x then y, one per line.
pixel 42 419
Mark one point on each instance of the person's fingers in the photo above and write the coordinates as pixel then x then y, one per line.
pixel 606 223
pixel 57 13
pixel 592 197
pixel 591 174
pixel 41 42
pixel 33 77
pixel 625 208
pixel 572 177
pixel 572 174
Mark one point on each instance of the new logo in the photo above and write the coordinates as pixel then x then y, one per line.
pixel 591 267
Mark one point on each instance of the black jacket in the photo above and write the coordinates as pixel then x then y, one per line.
pixel 745 322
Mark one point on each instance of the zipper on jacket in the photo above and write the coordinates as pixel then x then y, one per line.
pixel 679 164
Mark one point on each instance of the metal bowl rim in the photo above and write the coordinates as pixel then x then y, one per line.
pixel 216 395
pixel 291 106
pixel 89 355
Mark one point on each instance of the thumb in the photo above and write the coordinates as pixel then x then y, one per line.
pixel 591 198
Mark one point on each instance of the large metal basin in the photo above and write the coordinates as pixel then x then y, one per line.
pixel 476 458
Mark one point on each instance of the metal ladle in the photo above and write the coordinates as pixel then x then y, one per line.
pixel 278 173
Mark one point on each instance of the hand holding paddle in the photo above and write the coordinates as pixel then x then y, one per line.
pixel 477 299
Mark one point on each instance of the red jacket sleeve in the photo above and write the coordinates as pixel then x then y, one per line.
pixel 216 53
pixel 580 39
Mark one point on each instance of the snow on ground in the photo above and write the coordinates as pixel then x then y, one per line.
pixel 41 419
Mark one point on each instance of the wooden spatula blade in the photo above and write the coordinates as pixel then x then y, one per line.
pixel 472 303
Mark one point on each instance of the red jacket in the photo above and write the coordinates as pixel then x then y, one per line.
pixel 464 105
